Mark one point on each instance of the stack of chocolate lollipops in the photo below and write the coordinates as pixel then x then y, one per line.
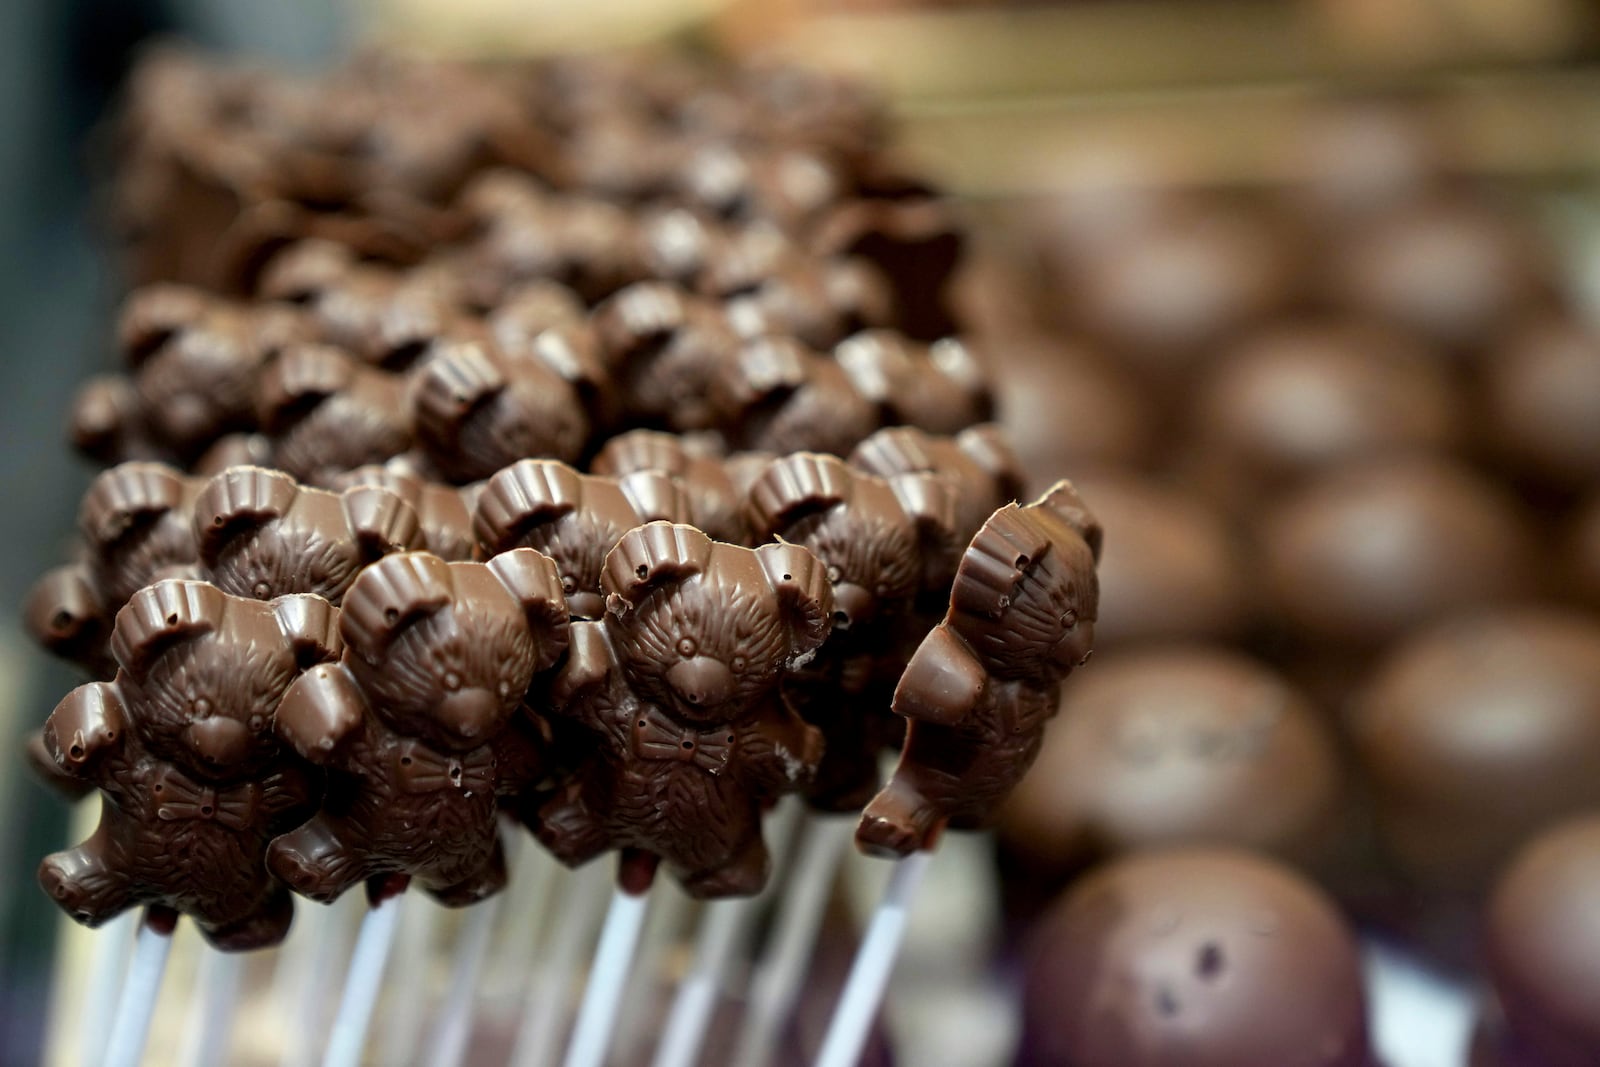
pixel 575 449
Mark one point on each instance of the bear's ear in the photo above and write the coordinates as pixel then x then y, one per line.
pixel 450 386
pixel 929 502
pixel 304 270
pixel 572 351
pixel 381 521
pixel 641 450
pixel 648 556
pixel 1062 501
pixel 64 614
pixel 390 595
pixel 987 446
pixel 656 497
pixel 894 450
pixel 801 582
pixel 88 722
pixel 239 500
pixel 160 615
pixel 312 626
pixel 768 368
pixel 796 486
pixel 1001 552
pixel 523 495
pixel 302 376
pixel 532 578
pixel 153 314
pixel 120 498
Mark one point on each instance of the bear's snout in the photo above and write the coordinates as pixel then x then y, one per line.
pixel 701 680
pixel 470 712
pixel 219 740
pixel 852 605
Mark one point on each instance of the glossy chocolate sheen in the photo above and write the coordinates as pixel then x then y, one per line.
pixel 194 783
pixel 1542 392
pixel 938 387
pixel 782 397
pixel 410 723
pixel 666 348
pixel 881 542
pixel 1543 946
pixel 679 685
pixel 323 412
pixel 1194 958
pixel 716 503
pixel 1188 744
pixel 1372 551
pixel 444 512
pixel 978 462
pixel 1477 733
pixel 981 687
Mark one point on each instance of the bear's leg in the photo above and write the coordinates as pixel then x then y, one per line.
pixel 86 885
pixel 486 882
pixel 899 821
pixel 317 861
pixel 572 831
pixel 742 875
pixel 266 926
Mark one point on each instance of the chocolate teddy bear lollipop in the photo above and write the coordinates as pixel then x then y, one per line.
pixel 575 519
pixel 881 542
pixel 981 686
pixel 134 521
pixel 939 387
pixel 782 397
pixel 978 461
pixel 444 512
pixel 666 348
pixel 181 744
pixel 324 412
pixel 716 504
pixel 680 685
pixel 438 658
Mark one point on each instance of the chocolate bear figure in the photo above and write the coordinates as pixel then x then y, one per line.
pixel 680 685
pixel 939 387
pixel 716 505
pixel 134 521
pixel 983 684
pixel 882 542
pixel 782 397
pixel 438 660
pixel 326 412
pixel 444 512
pixel 575 519
pixel 666 348
pixel 978 461
pixel 261 534
pixel 181 744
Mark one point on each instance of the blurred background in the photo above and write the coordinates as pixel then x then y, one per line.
pixel 1302 293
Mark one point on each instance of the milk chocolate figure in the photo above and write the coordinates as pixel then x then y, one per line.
pixel 260 534
pixel 181 744
pixel 325 411
pixel 881 542
pixel 444 515
pixel 982 685
pixel 782 397
pixel 716 504
pixel 575 519
pixel 939 387
pixel 438 659
pixel 680 685
pixel 666 348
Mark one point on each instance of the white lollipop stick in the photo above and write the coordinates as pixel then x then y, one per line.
pixel 545 1007
pixel 697 995
pixel 513 954
pixel 208 1027
pixel 362 984
pixel 608 978
pixel 308 966
pixel 454 1027
pixel 869 973
pixel 406 997
pixel 778 976
pixel 130 1027
pixel 108 966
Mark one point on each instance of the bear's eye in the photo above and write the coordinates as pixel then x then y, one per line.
pixel 1069 619
pixel 261 590
pixel 881 589
pixel 452 680
pixel 686 646
pixel 737 664
pixel 505 689
pixel 834 574
pixel 257 723
pixel 569 585
pixel 201 707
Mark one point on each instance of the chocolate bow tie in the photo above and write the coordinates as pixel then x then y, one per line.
pixel 420 769
pixel 657 737
pixel 181 798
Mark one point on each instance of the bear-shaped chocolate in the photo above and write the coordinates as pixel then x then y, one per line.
pixel 194 782
pixel 438 658
pixel 940 387
pixel 680 686
pixel 324 412
pixel 134 525
pixel 261 534
pixel 665 348
pixel 982 685
pixel 881 542
pixel 444 511
pixel 782 397
pixel 476 408
pixel 716 504
pixel 575 519
pixel 978 462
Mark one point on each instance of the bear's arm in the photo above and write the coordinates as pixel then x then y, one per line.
pixel 778 751
pixel 943 682
pixel 581 679
pixel 319 712
pixel 84 728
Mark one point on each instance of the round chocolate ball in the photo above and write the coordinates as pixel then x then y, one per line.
pixel 1294 400
pixel 1194 958
pixel 1542 400
pixel 1453 271
pixel 1177 745
pixel 1373 550
pixel 1170 568
pixel 1542 941
pixel 1475 734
